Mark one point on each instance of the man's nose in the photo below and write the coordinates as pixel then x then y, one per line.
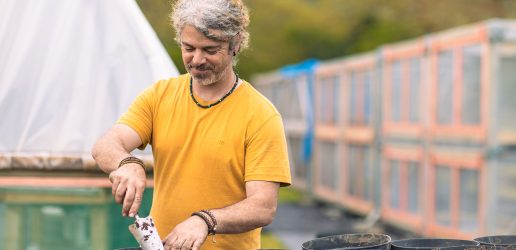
pixel 198 57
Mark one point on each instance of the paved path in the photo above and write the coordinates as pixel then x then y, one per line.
pixel 298 223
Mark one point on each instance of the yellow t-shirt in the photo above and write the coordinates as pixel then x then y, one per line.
pixel 203 157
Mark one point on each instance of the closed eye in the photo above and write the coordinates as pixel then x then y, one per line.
pixel 189 49
pixel 212 51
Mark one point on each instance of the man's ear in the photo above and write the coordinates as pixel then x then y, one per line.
pixel 236 49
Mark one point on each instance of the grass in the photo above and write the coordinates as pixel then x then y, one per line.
pixel 290 195
pixel 270 241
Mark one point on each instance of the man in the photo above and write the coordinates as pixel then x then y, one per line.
pixel 219 147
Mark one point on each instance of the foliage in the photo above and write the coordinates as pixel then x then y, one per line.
pixel 289 31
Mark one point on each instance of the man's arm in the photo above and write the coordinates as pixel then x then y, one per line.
pixel 128 181
pixel 256 210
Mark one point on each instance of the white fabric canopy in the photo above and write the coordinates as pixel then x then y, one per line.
pixel 69 69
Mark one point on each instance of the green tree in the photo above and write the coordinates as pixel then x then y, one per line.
pixel 289 31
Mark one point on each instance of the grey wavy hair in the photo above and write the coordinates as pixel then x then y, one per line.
pixel 229 16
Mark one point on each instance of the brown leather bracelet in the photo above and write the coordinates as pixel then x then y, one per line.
pixel 213 220
pixel 131 159
pixel 205 219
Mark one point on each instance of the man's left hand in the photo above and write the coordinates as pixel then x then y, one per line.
pixel 189 234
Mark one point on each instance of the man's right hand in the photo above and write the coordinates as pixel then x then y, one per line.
pixel 128 184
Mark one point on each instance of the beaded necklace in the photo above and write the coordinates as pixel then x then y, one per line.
pixel 217 102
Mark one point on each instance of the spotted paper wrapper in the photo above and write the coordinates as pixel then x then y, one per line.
pixel 146 234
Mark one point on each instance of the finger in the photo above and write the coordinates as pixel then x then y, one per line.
pixel 176 243
pixel 167 242
pixel 115 181
pixel 120 192
pixel 165 245
pixel 197 245
pixel 187 245
pixel 114 187
pixel 136 202
pixel 128 200
pixel 184 245
pixel 111 177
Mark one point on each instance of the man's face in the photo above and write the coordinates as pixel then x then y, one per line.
pixel 208 61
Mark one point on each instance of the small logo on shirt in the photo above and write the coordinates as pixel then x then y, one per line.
pixel 220 141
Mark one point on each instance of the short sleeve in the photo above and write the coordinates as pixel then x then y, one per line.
pixel 139 116
pixel 266 156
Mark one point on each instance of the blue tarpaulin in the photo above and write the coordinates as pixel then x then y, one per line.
pixel 306 67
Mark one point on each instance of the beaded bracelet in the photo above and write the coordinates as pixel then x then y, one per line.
pixel 131 159
pixel 205 219
pixel 214 229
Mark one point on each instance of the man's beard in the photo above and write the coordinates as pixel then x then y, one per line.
pixel 209 77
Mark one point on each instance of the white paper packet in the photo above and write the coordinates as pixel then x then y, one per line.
pixel 146 233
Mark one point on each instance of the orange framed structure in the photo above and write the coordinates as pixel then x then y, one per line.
pixel 327 173
pixel 398 206
pixel 403 83
pixel 348 129
pixel 454 165
pixel 453 44
pixel 289 95
pixel 359 133
pixel 442 122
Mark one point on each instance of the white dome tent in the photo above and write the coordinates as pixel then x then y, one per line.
pixel 68 70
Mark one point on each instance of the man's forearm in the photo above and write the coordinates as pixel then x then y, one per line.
pixel 108 154
pixel 242 217
pixel 257 210
pixel 110 149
